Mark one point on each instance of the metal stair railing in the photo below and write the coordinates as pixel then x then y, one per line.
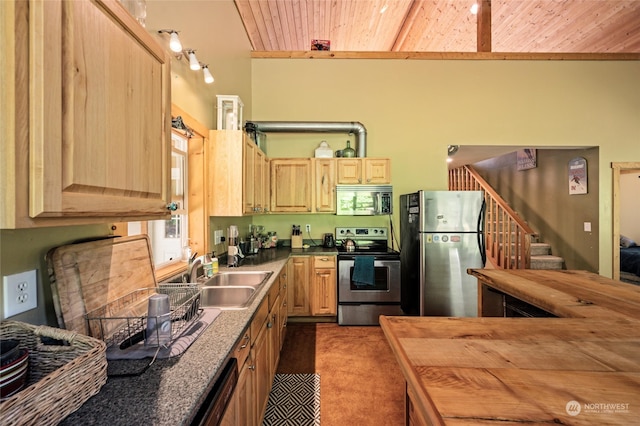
pixel 508 237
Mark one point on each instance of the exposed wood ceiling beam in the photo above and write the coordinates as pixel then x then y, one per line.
pixel 484 26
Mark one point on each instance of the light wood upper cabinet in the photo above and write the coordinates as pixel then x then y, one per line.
pixel 89 135
pixel 236 174
pixel 291 185
pixel 377 170
pixel 349 171
pixel 250 176
pixel 325 185
pixel 364 171
pixel 261 186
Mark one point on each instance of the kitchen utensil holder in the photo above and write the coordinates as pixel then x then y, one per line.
pixel 65 370
pixel 115 322
pixel 296 241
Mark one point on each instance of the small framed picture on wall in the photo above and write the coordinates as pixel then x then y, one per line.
pixel 578 176
pixel 526 159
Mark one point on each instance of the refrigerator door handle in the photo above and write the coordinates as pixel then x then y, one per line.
pixel 480 233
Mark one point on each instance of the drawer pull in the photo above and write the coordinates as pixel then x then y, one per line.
pixel 246 337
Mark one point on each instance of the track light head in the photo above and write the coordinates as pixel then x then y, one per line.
pixel 174 41
pixel 208 78
pixel 193 61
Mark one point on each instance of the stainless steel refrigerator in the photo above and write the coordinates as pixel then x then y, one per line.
pixel 441 235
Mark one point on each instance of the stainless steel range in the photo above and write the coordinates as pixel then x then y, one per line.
pixel 368 276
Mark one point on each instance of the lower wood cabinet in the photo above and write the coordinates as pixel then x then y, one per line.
pixel 312 286
pixel 324 299
pixel 299 275
pixel 262 371
pixel 258 354
pixel 244 394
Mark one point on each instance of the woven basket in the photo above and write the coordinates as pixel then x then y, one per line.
pixel 62 375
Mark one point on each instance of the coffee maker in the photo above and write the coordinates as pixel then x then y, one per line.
pixel 328 241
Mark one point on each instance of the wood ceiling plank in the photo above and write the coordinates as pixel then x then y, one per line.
pixel 246 14
pixel 283 27
pixel 268 17
pixel 299 15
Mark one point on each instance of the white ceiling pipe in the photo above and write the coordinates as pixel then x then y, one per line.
pixel 351 127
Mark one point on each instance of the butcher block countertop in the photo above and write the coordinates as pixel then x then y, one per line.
pixel 470 371
pixel 565 293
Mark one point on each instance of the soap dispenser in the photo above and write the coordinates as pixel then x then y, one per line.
pixel 214 263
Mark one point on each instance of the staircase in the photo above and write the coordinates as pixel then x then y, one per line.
pixel 541 257
pixel 511 242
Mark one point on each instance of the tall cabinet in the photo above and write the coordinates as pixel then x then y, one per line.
pixel 238 175
pixel 87 124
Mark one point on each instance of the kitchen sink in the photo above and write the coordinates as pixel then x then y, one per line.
pixel 227 297
pixel 252 279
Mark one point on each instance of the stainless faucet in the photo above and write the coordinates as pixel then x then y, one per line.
pixel 193 270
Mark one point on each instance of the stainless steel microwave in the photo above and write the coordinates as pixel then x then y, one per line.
pixel 364 200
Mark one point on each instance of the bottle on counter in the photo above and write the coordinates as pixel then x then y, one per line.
pixel 207 266
pixel 214 263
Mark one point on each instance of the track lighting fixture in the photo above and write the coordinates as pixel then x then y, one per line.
pixel 176 46
pixel 174 41
pixel 208 78
pixel 193 61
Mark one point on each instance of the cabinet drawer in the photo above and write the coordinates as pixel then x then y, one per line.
pixel 259 319
pixel 324 262
pixel 242 348
pixel 274 291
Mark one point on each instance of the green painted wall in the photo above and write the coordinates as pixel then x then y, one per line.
pixel 25 249
pixel 413 109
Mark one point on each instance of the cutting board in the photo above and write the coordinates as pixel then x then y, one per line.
pixel 88 275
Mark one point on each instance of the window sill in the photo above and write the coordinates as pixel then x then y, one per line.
pixel 169 271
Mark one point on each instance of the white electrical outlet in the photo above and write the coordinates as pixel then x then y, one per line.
pixel 308 227
pixel 20 293
pixel 217 236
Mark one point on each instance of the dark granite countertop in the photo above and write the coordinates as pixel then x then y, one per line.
pixel 171 390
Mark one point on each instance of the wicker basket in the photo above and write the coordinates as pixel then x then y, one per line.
pixel 65 370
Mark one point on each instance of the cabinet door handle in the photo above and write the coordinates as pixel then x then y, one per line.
pixel 252 367
pixel 246 337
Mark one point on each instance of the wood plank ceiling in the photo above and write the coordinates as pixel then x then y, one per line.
pixel 543 26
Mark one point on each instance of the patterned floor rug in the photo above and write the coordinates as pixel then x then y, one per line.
pixel 294 401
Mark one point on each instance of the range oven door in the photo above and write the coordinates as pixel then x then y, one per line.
pixel 386 288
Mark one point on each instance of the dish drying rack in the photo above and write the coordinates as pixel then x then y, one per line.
pixel 125 319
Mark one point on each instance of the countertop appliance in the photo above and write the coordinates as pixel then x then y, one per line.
pixel 328 241
pixel 364 200
pixel 441 235
pixel 362 302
